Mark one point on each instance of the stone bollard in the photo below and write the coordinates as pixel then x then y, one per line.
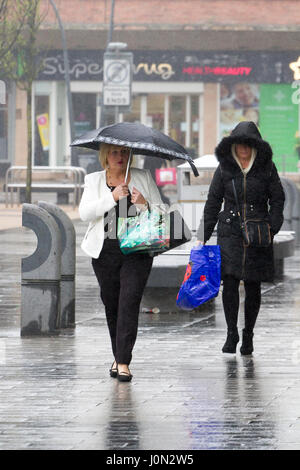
pixel 68 263
pixel 40 284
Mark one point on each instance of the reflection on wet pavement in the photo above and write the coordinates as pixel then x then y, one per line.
pixel 56 393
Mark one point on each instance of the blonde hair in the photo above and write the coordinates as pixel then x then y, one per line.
pixel 104 151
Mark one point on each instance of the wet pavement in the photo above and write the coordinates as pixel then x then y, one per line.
pixel 56 393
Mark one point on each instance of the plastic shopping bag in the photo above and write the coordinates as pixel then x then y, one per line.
pixel 202 278
pixel 147 232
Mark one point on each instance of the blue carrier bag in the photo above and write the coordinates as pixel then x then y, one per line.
pixel 202 277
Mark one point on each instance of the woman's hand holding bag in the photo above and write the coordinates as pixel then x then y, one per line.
pixel 120 191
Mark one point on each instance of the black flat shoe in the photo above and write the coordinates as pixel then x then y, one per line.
pixel 113 371
pixel 124 376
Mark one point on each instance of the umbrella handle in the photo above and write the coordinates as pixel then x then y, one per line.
pixel 193 166
pixel 128 165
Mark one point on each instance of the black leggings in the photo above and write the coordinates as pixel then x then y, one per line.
pixel 231 302
pixel 122 279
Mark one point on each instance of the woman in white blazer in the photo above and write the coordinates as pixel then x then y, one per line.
pixel 122 278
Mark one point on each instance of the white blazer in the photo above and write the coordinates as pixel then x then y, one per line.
pixel 97 199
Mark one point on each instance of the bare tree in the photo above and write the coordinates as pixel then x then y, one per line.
pixel 20 21
pixel 27 52
pixel 3 4
pixel 12 21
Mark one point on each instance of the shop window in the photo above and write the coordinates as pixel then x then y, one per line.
pixel 155 111
pixel 271 108
pixel 84 110
pixel 41 131
pixel 177 118
pixel 85 119
pixel 238 102
pixel 135 114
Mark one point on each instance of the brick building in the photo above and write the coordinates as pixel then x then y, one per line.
pixel 200 66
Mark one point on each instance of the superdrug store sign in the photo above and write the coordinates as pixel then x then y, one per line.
pixel 211 66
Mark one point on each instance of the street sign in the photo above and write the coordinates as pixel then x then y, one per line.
pixel 117 79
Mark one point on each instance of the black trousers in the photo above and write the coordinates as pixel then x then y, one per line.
pixel 122 279
pixel 231 302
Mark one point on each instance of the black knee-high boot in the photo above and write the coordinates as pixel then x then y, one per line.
pixel 247 344
pixel 252 306
pixel 231 301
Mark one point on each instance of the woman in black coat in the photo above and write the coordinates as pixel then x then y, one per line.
pixel 245 157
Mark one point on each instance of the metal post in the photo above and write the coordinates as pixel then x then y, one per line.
pixel 111 24
pixel 116 114
pixel 67 80
pixel 109 38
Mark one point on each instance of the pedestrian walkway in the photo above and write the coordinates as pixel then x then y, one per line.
pixel 56 393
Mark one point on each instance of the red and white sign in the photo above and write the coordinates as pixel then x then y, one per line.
pixel 165 176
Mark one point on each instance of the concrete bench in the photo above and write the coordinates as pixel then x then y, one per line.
pixel 61 180
pixel 169 268
pixel 291 207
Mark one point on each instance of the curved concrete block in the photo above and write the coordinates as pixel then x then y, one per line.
pixel 40 275
pixel 68 263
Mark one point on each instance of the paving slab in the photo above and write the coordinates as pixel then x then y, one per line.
pixel 56 393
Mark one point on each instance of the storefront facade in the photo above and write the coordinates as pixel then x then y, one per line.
pixel 195 97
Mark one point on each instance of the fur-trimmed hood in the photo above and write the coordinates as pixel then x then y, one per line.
pixel 245 132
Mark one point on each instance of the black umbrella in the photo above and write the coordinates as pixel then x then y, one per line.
pixel 142 140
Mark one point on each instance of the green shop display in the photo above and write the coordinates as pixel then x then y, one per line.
pixel 278 124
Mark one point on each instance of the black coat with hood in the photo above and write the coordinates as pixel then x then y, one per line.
pixel 260 195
